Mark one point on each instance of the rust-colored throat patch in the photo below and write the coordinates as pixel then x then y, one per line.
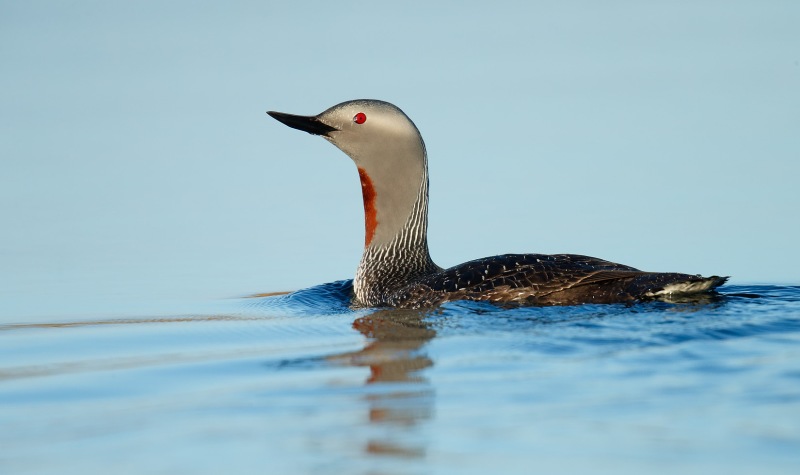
pixel 370 212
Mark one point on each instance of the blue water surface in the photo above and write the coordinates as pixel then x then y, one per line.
pixel 302 383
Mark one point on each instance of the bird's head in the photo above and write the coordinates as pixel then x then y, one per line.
pixel 386 147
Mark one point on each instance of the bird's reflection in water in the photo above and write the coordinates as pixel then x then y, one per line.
pixel 398 395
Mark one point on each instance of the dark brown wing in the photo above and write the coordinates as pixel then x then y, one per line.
pixel 545 273
pixel 536 279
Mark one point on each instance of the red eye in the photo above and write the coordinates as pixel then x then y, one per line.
pixel 360 118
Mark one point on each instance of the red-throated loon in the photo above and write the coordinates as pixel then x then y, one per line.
pixel 396 268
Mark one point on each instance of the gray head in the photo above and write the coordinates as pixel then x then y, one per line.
pixel 389 152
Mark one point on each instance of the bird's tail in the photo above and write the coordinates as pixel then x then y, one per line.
pixel 691 285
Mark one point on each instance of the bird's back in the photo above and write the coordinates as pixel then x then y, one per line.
pixel 539 279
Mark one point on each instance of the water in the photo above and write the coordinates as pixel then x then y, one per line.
pixel 300 383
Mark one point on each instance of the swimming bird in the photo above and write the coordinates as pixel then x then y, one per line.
pixel 396 268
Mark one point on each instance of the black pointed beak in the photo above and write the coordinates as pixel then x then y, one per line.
pixel 309 124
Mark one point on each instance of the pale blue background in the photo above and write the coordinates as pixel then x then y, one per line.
pixel 140 172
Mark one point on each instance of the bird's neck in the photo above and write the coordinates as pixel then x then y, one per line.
pixel 396 232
